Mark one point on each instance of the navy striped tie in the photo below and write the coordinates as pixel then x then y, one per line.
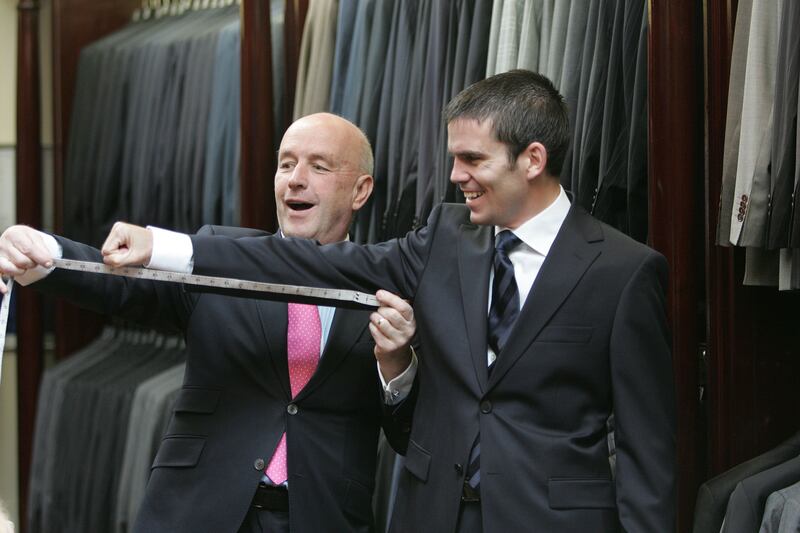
pixel 502 314
pixel 505 296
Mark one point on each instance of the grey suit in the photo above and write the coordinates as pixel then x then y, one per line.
pixel 570 83
pixel 759 87
pixel 389 143
pixel 314 71
pixel 558 40
pixel 345 23
pixel 746 506
pixel 713 496
pixel 529 32
pixel 146 425
pixel 782 511
pixel 733 120
pixel 784 140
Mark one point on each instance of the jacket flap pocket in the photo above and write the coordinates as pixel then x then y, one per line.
pixel 417 460
pixel 578 334
pixel 191 400
pixel 358 502
pixel 179 452
pixel 582 493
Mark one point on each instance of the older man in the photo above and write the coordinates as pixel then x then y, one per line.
pixel 277 423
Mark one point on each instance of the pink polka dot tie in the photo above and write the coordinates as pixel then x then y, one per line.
pixel 302 346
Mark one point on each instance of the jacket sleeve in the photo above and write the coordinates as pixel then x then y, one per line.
pixel 164 306
pixel 644 401
pixel 395 265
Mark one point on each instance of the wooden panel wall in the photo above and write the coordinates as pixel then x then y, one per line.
pixel 675 111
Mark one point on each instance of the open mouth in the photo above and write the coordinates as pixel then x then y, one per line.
pixel 299 206
pixel 472 195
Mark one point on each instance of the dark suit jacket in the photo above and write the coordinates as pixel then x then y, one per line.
pixel 590 340
pixel 232 409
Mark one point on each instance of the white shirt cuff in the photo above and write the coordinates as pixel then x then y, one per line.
pixel 398 389
pixel 33 275
pixel 172 251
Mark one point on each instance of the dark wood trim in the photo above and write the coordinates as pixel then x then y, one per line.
pixel 257 202
pixel 720 266
pixel 29 211
pixel 675 110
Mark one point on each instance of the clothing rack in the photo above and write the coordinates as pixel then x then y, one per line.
pixel 733 346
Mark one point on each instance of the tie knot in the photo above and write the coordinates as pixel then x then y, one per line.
pixel 505 241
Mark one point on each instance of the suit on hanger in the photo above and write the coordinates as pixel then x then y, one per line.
pixel 570 82
pixel 733 119
pixel 232 409
pixel 757 100
pixel 556 48
pixel 315 65
pixel 784 140
pixel 712 498
pixel 542 412
pixel 746 506
pixel 782 511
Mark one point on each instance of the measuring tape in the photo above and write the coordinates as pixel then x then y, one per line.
pixel 272 290
pixel 4 307
pixel 287 292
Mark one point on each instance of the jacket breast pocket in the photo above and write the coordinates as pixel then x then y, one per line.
pixel 581 493
pixel 179 452
pixel 570 334
pixel 418 461
pixel 197 400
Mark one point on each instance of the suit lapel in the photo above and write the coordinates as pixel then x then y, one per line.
pixel 273 324
pixel 570 256
pixel 474 264
pixel 346 329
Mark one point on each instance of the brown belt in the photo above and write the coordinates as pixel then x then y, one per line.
pixel 271 498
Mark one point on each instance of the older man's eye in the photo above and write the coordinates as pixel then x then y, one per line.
pixel 320 168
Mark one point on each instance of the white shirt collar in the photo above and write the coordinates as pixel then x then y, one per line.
pixel 540 232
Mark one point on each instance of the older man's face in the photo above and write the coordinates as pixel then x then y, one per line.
pixel 318 184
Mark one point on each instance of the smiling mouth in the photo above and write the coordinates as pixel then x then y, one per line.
pixel 299 206
pixel 472 195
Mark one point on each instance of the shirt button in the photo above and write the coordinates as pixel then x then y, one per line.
pixel 291 409
pixel 486 407
pixel 259 464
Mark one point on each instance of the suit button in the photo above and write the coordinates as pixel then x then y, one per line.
pixel 486 407
pixel 259 464
pixel 459 468
pixel 291 409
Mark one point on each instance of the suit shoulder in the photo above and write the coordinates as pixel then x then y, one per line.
pixel 626 245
